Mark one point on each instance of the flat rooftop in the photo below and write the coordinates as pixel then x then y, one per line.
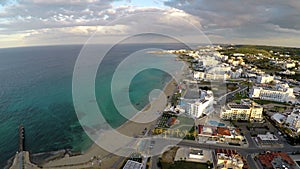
pixel 239 106
pixel 196 152
pixel 133 165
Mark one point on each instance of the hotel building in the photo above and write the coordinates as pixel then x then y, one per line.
pixel 293 120
pixel 278 93
pixel 246 111
pixel 264 79
pixel 197 107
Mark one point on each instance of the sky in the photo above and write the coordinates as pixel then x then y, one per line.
pixel 45 22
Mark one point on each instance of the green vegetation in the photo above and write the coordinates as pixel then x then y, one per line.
pixel 279 109
pixel 191 135
pixel 294 52
pixel 263 63
pixel 245 50
pixel 262 102
pixel 246 83
pixel 183 127
pixel 163 122
pixel 239 96
pixel 185 165
pixel 175 98
pixel 231 87
pixel 295 76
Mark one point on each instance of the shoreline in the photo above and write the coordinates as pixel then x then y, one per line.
pixel 130 128
pixel 95 154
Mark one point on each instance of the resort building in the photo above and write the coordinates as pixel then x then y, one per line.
pixel 246 111
pixel 197 107
pixel 228 159
pixel 235 112
pixel 293 120
pixel 219 76
pixel 278 118
pixel 274 160
pixel 236 74
pixel 278 93
pixel 264 78
pixel 218 73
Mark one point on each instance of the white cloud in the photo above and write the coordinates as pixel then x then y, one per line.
pixel 73 21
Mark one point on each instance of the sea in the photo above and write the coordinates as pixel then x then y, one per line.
pixel 36 91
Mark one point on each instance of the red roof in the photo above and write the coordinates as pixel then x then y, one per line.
pixel 171 121
pixel 228 152
pixel 267 158
pixel 223 131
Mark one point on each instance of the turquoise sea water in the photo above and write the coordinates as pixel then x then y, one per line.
pixel 36 91
pixel 215 123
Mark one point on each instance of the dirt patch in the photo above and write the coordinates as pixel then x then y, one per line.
pixel 168 156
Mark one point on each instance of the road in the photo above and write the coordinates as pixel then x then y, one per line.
pixel 154 162
pixel 247 152
pixel 244 151
pixel 222 99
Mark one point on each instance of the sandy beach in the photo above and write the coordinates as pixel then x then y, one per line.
pixel 95 154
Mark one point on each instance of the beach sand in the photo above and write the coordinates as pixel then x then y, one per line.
pixel 108 160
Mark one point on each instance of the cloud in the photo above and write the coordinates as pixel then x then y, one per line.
pixel 249 19
pixel 41 22
pixel 73 21
pixel 38 14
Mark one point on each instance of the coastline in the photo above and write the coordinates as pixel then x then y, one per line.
pixel 130 128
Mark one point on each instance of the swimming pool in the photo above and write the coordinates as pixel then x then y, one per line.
pixel 215 123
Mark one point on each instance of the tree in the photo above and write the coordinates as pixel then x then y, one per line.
pixel 208 162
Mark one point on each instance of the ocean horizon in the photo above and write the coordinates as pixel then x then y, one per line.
pixel 36 91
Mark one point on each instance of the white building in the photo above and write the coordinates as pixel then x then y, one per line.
pixel 267 137
pixel 229 159
pixel 196 154
pixel 293 120
pixel 288 65
pixel 198 75
pixel 218 72
pixel 278 93
pixel 197 107
pixel 193 155
pixel 130 164
pixel 238 54
pixel 264 79
pixel 236 74
pixel 220 76
pixel 279 118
